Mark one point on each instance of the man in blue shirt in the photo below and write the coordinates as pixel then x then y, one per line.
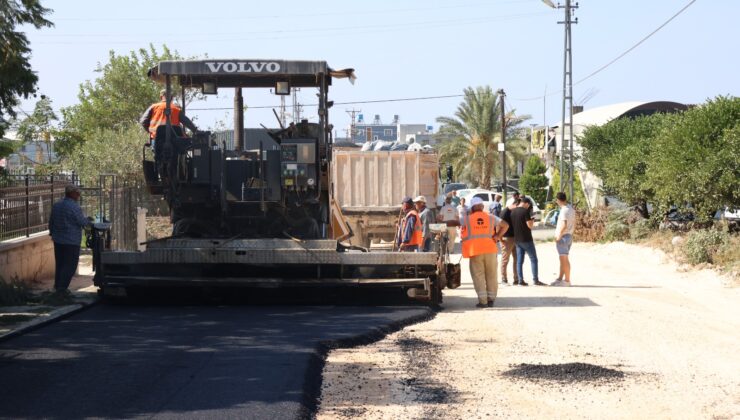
pixel 65 227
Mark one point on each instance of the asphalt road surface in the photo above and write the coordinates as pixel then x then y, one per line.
pixel 193 361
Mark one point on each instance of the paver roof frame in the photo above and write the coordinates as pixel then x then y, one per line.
pixel 248 73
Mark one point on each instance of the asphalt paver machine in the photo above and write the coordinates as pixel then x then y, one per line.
pixel 260 216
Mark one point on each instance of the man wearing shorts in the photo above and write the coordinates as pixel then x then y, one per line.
pixel 564 238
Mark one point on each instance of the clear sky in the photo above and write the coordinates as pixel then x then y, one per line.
pixel 412 48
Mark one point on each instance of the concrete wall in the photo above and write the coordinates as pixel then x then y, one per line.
pixel 28 259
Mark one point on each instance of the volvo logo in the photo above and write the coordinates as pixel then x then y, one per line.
pixel 243 66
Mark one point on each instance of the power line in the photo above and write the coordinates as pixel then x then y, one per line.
pixel 602 68
pixel 312 32
pixel 283 16
pixel 374 101
pixel 595 72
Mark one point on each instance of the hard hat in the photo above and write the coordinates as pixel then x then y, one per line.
pixel 475 201
pixel 421 199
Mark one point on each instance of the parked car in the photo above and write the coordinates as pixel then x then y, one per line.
pixel 488 198
pixel 448 188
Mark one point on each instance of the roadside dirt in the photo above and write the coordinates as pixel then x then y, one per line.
pixel 635 337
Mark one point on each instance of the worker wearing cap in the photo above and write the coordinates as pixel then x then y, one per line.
pixel 410 236
pixel 154 116
pixel 479 233
pixel 65 227
pixel 425 215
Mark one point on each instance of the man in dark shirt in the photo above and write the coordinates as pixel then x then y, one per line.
pixel 508 245
pixel 522 223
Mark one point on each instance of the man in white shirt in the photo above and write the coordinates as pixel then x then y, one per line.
pixel 449 215
pixel 564 238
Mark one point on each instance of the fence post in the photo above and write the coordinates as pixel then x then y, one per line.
pixel 28 210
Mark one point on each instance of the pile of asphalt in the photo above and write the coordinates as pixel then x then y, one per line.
pixel 565 373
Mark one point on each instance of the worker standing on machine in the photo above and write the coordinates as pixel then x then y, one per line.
pixel 410 237
pixel 154 116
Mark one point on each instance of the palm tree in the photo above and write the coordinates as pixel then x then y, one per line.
pixel 469 140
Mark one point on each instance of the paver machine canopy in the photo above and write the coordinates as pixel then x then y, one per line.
pixel 271 191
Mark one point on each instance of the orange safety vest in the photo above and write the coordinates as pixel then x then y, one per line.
pixel 416 236
pixel 158 117
pixel 477 235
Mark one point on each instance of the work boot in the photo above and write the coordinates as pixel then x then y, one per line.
pixel 481 305
pixel 490 303
pixel 523 283
pixel 539 283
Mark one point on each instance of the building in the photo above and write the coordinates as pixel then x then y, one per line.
pixel 363 131
pixel 29 155
pixel 600 116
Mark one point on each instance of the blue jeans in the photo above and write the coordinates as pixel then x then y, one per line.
pixel 66 258
pixel 529 249
pixel 427 245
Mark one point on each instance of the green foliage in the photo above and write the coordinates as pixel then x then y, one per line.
pixel 116 99
pixel 690 160
pixel 580 198
pixel 533 181
pixel 39 126
pixel 110 151
pixel 7 147
pixel 619 152
pixel 18 79
pixel 617 228
pixel 702 245
pixel 640 229
pixel 14 292
pixel 469 140
pixel 695 162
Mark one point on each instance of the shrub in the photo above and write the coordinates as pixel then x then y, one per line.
pixel 702 245
pixel 14 292
pixel 590 225
pixel 640 229
pixel 616 231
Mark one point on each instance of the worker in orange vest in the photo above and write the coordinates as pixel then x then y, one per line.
pixel 410 236
pixel 479 233
pixel 154 116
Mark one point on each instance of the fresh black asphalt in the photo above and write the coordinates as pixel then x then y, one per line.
pixel 197 361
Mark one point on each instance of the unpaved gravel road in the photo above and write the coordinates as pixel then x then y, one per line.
pixel 633 338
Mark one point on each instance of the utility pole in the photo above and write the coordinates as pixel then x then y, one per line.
pixel 566 145
pixel 352 112
pixel 502 144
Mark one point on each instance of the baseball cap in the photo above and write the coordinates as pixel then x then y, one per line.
pixel 475 201
pixel 420 198
pixel 407 200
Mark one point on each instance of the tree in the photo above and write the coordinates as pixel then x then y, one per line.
pixel 116 99
pixel 18 79
pixel 533 181
pixel 619 152
pixel 111 151
pixel 39 126
pixel 470 138
pixel 696 160
pixel 579 199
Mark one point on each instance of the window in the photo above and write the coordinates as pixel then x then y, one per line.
pixel 388 132
pixel 483 196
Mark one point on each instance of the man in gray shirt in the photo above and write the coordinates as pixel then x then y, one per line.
pixel 426 218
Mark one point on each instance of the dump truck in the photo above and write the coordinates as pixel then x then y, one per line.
pixel 257 218
pixel 369 186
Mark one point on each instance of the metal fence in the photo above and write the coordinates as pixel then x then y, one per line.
pixel 26 202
